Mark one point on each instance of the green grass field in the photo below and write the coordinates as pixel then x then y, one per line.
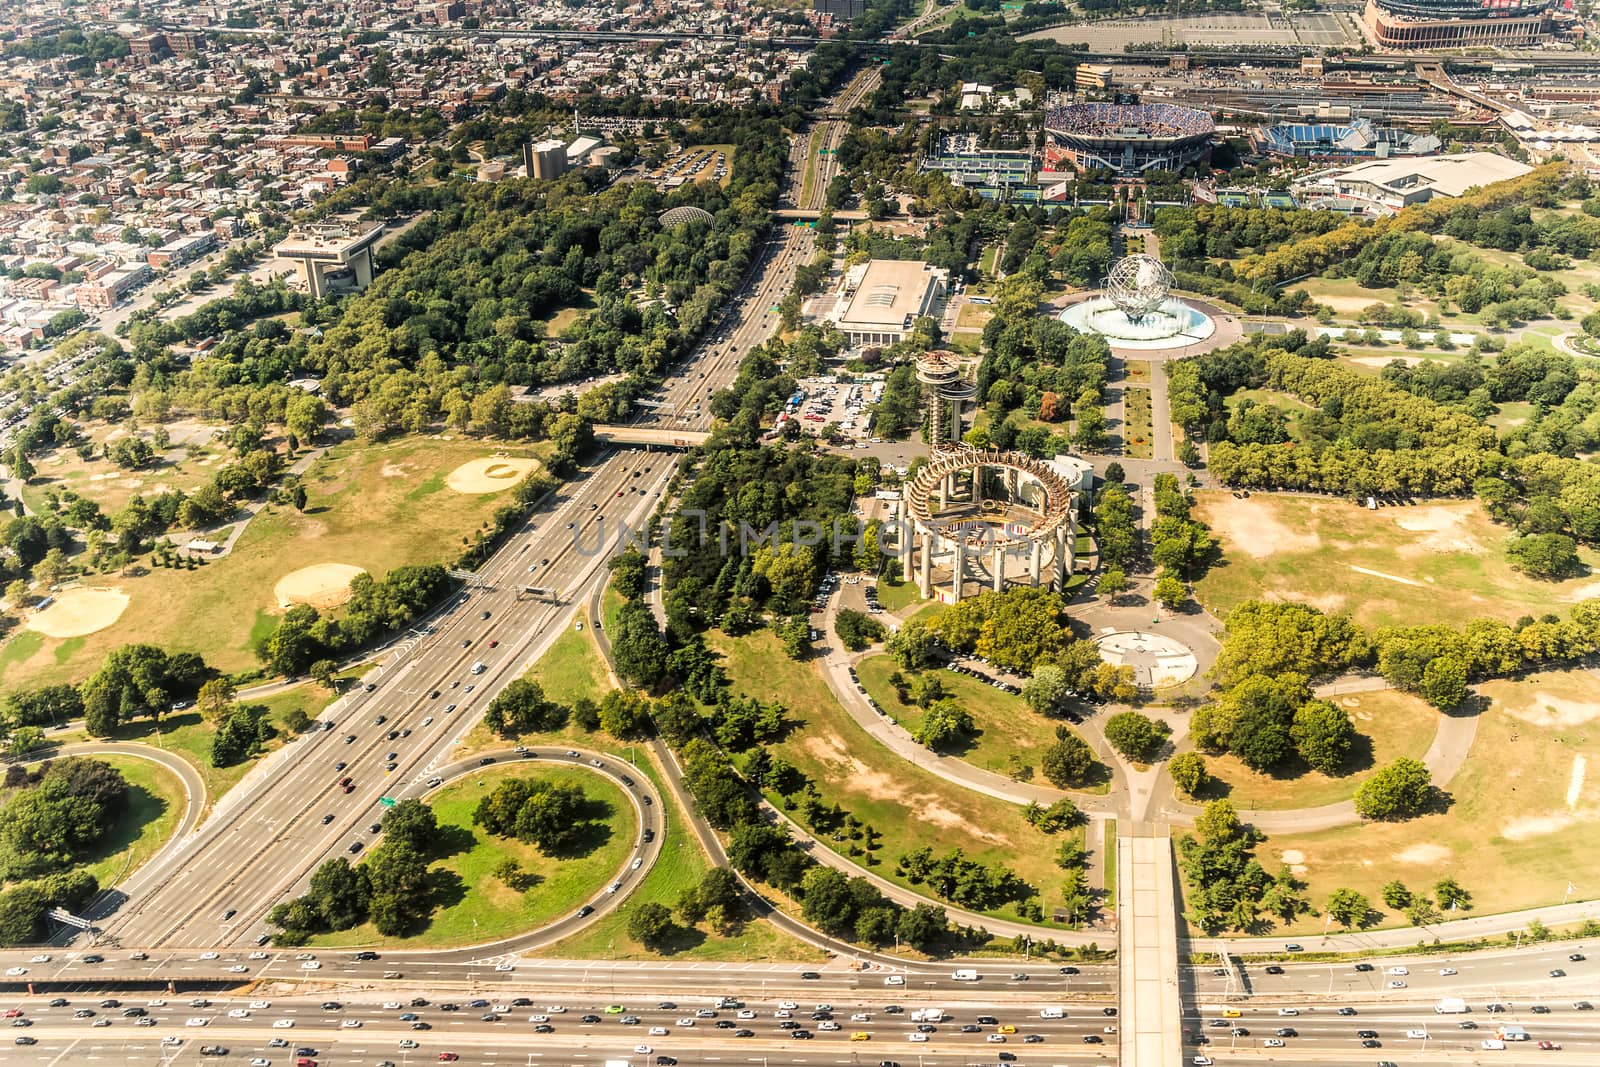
pixel 154 806
pixel 1520 827
pixel 1136 426
pixel 571 668
pixel 476 905
pixel 1442 560
pixel 906 805
pixel 110 486
pixel 1007 727
pixel 895 595
pixel 1392 724
pixel 373 506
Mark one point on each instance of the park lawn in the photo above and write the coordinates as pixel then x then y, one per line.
pixel 1511 414
pixel 572 667
pixel 907 806
pixel 974 316
pixel 1348 299
pixel 1006 726
pixel 1136 431
pixel 154 806
pixel 1305 549
pixel 894 594
pixel 1136 371
pixel 1510 837
pixel 375 506
pixel 1392 724
pixel 197 459
pixel 475 905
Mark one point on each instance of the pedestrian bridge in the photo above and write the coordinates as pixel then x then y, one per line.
pixel 645 435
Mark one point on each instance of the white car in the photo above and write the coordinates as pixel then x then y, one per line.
pixel 41 958
pixel 258 955
pixel 783 1013
pixel 861 1017
pixel 1399 970
pixel 686 1021
pixel 283 1024
pixel 642 1050
pixel 658 1031
pixel 895 979
pixel 350 1024
pixel 535 1018
pixel 787 1005
pixel 155 1003
pixel 556 1009
pixel 406 1042
pixel 1201 1061
pixel 305 956
pixel 260 1061
pixel 197 1020
pixel 916 1037
pixel 747 1014
pixel 996 1039
pixel 1397 984
pixel 505 966
pixel 311 965
pixel 392 1005
pixel 13 972
pixel 828 1024
pixel 238 1013
pixel 1417 1035
pixel 171 1041
pixel 208 955
pixel 238 968
pixel 1446 972
pixel 260 1005
pixel 1288 1011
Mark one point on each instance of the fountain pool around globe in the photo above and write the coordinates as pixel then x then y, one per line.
pixel 1172 324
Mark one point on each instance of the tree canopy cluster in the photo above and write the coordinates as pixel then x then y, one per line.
pixel 376 606
pixel 1228 889
pixel 58 816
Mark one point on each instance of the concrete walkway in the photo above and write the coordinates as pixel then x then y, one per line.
pixel 1147 949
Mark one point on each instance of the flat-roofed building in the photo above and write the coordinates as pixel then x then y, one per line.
pixel 881 299
pixel 332 256
pixel 1398 183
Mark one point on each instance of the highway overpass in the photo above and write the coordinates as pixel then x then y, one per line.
pixel 642 435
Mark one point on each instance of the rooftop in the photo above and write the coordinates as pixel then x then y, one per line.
pixel 889 291
pixel 1445 175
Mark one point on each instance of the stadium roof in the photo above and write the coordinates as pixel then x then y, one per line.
pixel 1444 175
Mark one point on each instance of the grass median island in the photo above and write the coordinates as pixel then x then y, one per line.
pixel 1391 566
pixel 373 506
pixel 1391 724
pixel 473 903
pixel 572 667
pixel 1521 824
pixel 148 819
pixel 1006 726
pixel 907 807
pixel 1136 425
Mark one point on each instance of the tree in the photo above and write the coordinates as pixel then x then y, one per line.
pixel 911 646
pixel 1545 555
pixel 339 893
pixel 1068 761
pixel 240 735
pixel 296 721
pixel 945 723
pixel 17 594
pixel 1259 737
pixel 1396 895
pixel 399 901
pixel 856 629
pixel 324 672
pixel 1348 908
pixel 826 901
pixel 1048 691
pixel 1444 682
pixel 412 822
pixel 923 926
pixel 1450 895
pixel 215 699
pixel 1113 582
pixel 637 645
pixel 1171 591
pixel 1188 770
pixel 624 713
pixel 651 924
pixel 1218 823
pixel 1323 735
pixel 1399 791
pixel 1136 736
pixel 521 707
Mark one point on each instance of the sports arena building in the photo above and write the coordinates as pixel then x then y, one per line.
pixel 1458 23
pixel 1126 139
pixel 1343 144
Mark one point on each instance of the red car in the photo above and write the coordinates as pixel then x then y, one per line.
pixel 345 780
pixel 494 644
pixel 13 1013
pixel 448 1057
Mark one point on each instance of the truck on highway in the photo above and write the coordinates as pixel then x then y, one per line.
pixel 927 1015
pixel 1451 1006
pixel 1511 1032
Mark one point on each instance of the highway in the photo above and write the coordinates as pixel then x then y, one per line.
pixel 266 836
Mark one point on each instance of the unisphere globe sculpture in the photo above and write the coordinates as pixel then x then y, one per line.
pixel 1138 285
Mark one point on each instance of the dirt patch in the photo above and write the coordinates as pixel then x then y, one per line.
pixel 79 611
pixel 322 585
pixel 1327 603
pixel 1537 826
pixel 1253 527
pixel 393 470
pixel 877 785
pixel 489 475
pixel 1583 592
pixel 1445 527
pixel 1423 855
pixel 1552 711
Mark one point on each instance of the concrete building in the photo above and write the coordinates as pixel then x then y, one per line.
pixel 545 160
pixel 331 257
pixel 841 10
pixel 1397 183
pixel 1413 24
pixel 881 299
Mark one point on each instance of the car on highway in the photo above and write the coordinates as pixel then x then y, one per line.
pixel 1558 973
pixel 283 1024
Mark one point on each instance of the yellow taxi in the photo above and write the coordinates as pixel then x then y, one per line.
pixel 860 1035
pixel 1007 1029
pixel 1230 1013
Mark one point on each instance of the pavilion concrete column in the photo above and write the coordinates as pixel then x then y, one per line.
pixel 999 567
pixel 905 532
pixel 925 577
pixel 1034 559
pixel 944 492
pixel 1060 583
pixel 960 566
